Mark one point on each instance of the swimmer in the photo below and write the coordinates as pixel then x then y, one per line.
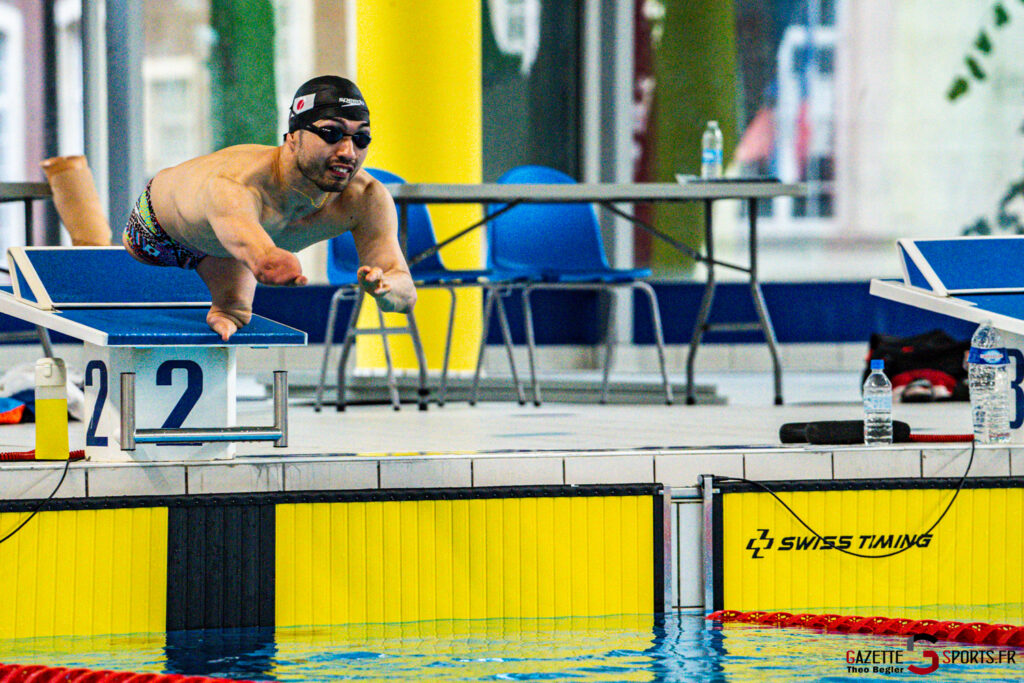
pixel 237 215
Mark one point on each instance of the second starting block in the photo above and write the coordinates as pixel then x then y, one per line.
pixel 973 279
pixel 159 383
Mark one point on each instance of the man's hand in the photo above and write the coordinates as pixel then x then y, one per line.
pixel 378 285
pixel 226 322
pixel 372 280
pixel 279 267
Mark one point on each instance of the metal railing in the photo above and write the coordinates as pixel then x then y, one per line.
pixel 688 540
pixel 130 436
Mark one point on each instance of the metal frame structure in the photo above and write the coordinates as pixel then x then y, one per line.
pixel 358 295
pixel 609 196
pixel 27 193
pixel 278 433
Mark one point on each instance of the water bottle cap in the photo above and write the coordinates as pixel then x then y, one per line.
pixel 713 123
pixel 877 364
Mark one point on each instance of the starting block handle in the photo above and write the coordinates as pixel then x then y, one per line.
pixel 131 436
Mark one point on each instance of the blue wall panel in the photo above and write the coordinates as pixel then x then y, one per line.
pixel 812 312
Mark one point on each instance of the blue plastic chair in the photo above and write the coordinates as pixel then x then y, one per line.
pixel 427 272
pixel 562 244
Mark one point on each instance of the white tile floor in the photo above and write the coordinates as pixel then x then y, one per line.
pixel 747 419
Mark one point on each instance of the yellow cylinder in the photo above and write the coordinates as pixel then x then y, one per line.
pixel 51 406
pixel 419 67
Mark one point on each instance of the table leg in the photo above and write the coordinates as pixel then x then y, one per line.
pixel 422 392
pixel 29 228
pixel 759 305
pixel 705 304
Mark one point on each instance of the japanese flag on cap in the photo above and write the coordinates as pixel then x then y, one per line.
pixel 301 104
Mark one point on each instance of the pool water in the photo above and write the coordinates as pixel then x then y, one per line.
pixel 675 647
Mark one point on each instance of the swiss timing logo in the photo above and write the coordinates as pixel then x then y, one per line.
pixel 762 542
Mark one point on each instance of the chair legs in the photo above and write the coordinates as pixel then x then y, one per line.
pixel 659 336
pixel 396 402
pixel 530 344
pixel 332 316
pixel 351 332
pixel 609 340
pixel 422 392
pixel 506 335
pixel 350 335
pixel 488 308
pixel 443 389
pixel 492 298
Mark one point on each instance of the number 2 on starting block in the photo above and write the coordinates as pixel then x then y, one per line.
pixel 176 386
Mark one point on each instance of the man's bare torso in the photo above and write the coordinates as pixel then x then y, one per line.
pixel 181 196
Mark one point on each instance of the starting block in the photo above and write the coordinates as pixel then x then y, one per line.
pixel 150 358
pixel 973 279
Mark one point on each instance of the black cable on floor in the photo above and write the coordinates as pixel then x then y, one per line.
pixel 829 545
pixel 43 502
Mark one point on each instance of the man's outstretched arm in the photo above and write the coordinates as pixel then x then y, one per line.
pixel 384 273
pixel 233 212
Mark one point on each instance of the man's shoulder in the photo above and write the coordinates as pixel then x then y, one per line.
pixel 366 201
pixel 366 190
pixel 235 154
pixel 239 163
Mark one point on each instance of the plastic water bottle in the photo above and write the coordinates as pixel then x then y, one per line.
pixel 877 405
pixel 711 151
pixel 989 381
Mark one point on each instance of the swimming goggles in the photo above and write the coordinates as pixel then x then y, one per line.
pixel 335 134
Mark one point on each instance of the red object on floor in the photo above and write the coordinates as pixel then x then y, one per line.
pixel 13 673
pixel 31 455
pixel 951 631
pixel 942 438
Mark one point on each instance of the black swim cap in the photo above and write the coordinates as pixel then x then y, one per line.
pixel 326 97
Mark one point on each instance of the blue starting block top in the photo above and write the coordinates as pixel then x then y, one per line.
pixel 963 265
pixel 91 277
pixel 970 278
pixel 104 296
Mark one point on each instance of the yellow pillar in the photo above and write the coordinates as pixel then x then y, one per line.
pixel 419 67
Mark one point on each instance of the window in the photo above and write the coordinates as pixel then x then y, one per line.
pixel 12 115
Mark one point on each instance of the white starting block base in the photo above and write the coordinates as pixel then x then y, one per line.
pixel 177 386
pixel 973 279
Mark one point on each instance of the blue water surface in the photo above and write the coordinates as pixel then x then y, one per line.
pixel 675 647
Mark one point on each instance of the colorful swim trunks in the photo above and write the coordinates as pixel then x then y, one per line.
pixel 144 237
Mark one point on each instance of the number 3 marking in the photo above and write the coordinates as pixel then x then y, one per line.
pixel 1015 383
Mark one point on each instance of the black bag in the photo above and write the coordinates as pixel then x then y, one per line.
pixel 933 350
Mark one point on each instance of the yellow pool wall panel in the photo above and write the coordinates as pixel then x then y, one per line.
pixel 411 560
pixel 973 557
pixel 151 564
pixel 83 572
